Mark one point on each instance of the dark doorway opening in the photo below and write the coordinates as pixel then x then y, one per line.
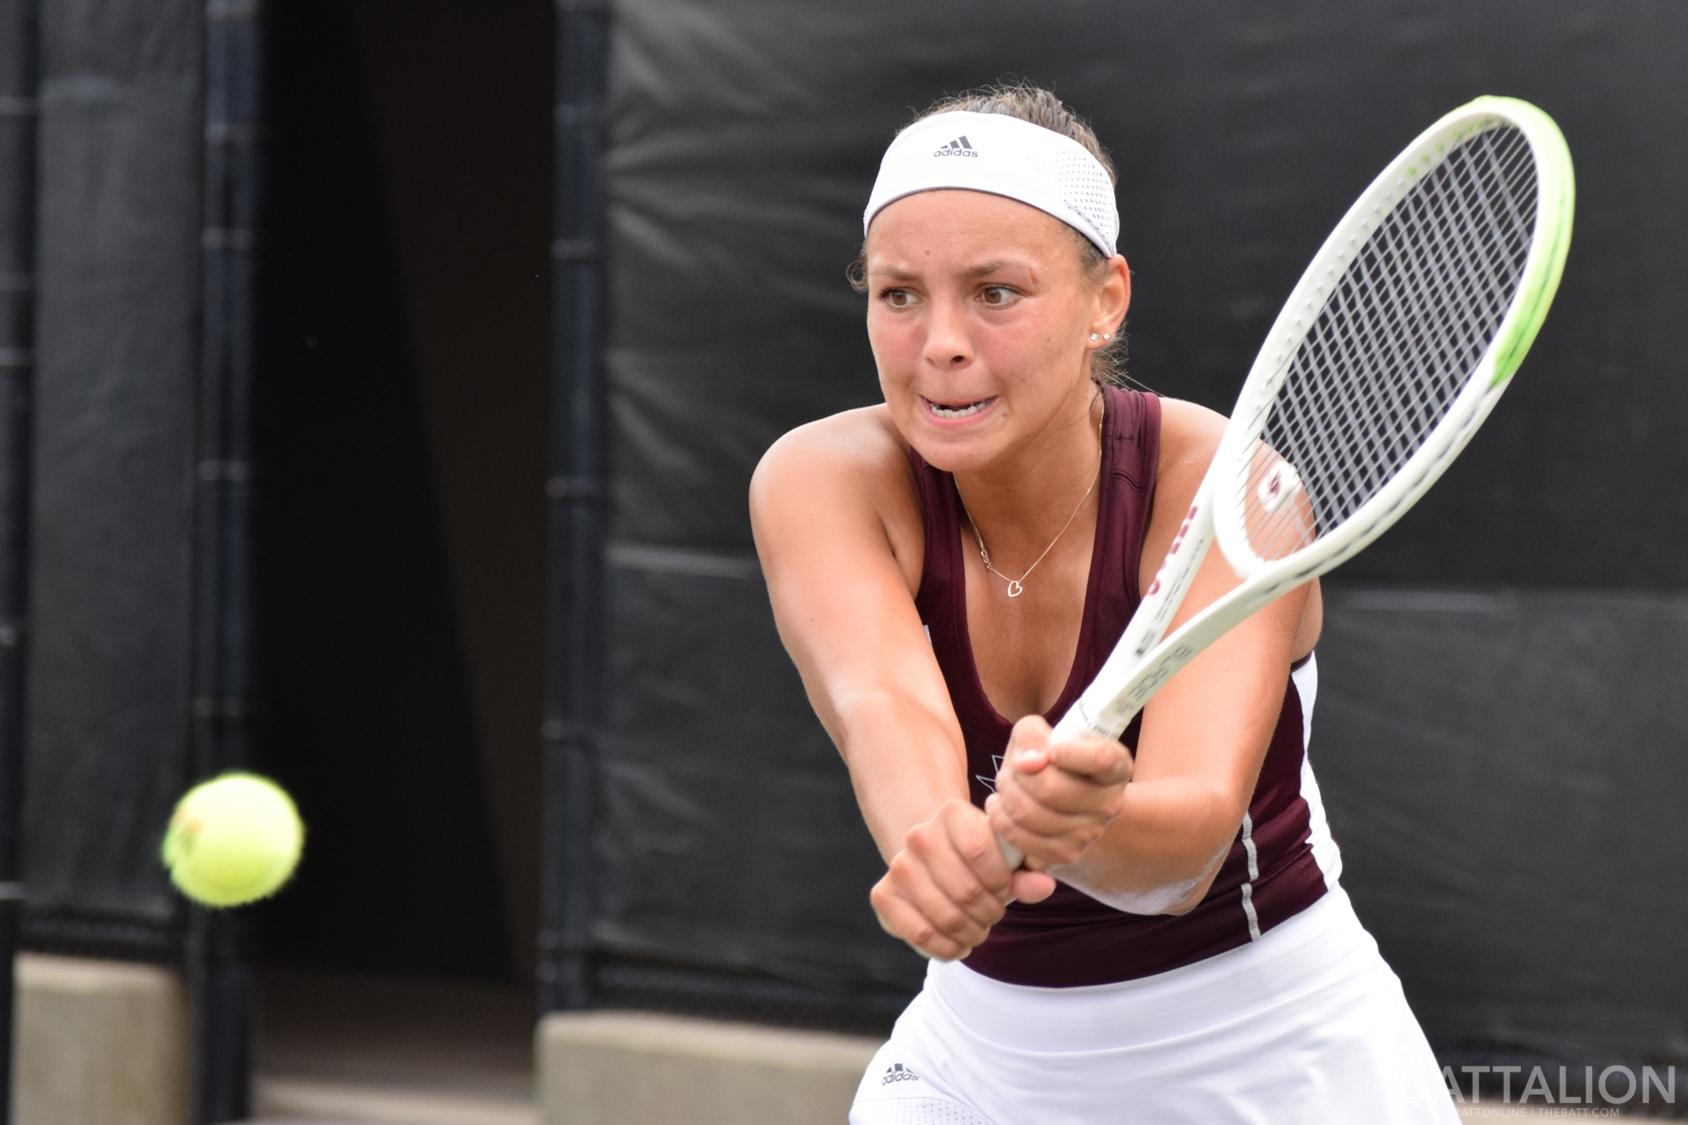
pixel 400 416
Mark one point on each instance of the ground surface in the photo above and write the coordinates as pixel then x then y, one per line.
pixel 350 1049
pixel 346 1049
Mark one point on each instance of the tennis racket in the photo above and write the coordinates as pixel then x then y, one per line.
pixel 1391 351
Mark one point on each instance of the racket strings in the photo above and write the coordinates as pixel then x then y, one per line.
pixel 1400 334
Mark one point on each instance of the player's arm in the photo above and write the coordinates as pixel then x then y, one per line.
pixel 837 525
pixel 1204 735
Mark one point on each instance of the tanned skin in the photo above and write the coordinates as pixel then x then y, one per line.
pixel 981 313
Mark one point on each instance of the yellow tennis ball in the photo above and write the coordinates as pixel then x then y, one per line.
pixel 233 840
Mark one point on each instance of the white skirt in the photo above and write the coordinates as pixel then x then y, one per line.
pixel 1306 1025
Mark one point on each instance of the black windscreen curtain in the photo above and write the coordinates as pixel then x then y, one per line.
pixel 1498 729
pixel 1483 758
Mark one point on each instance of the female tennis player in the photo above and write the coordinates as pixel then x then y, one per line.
pixel 949 569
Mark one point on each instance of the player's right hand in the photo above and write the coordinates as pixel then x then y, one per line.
pixel 950 884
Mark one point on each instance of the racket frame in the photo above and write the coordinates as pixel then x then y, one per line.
pixel 1143 661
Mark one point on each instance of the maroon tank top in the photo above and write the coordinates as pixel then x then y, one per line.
pixel 1070 939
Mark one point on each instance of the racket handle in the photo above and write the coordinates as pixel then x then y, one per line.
pixel 1013 855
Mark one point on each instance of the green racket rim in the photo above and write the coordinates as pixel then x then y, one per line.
pixel 1556 207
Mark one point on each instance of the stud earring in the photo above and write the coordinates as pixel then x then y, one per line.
pixel 1093 335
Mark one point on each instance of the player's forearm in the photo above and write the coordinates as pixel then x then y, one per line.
pixel 1161 854
pixel 904 761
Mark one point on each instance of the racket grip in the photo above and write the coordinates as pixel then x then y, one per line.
pixel 1010 853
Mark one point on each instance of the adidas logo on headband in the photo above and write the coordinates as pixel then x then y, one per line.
pixel 957 147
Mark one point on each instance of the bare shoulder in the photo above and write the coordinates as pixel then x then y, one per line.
pixel 1189 437
pixel 855 453
pixel 854 440
pixel 845 476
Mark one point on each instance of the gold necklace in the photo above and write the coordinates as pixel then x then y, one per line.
pixel 1016 586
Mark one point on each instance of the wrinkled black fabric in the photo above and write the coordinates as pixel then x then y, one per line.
pixel 117 350
pixel 743 139
pixel 729 834
pixel 1505 776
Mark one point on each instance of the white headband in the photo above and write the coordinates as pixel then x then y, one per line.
pixel 1002 155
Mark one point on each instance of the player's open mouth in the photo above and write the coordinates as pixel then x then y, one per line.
pixel 958 410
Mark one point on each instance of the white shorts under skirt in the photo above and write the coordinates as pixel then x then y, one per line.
pixel 1306 1025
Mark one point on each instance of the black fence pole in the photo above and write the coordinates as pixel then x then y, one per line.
pixel 18 115
pixel 574 637
pixel 219 976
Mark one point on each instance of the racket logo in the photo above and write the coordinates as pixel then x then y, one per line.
pixel 1169 664
pixel 1172 551
pixel 1278 485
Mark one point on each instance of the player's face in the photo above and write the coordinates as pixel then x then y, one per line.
pixel 980 313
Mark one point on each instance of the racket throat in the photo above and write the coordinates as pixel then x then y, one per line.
pixel 1099 711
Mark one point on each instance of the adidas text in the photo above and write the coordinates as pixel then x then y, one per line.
pixel 896 1072
pixel 957 147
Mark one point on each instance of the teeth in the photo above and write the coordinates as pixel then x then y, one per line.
pixel 958 411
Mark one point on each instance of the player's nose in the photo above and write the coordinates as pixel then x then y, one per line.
pixel 948 344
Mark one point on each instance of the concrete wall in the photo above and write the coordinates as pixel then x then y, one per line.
pixel 99 1043
pixel 636 1068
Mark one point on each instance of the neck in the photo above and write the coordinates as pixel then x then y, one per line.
pixel 1021 504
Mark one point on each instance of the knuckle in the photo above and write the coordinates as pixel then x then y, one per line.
pixel 1068 849
pixel 1010 806
pixel 974 896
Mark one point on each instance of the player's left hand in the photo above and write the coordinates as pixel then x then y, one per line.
pixel 1053 802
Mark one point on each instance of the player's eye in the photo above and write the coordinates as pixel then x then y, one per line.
pixel 897 298
pixel 995 296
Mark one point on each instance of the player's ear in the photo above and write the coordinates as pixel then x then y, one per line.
pixel 1120 271
pixel 1113 298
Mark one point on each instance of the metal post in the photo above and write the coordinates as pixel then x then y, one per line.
pixel 574 640
pixel 219 975
pixel 18 116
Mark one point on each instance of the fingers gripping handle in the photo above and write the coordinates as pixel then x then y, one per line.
pixel 1162 664
pixel 1108 705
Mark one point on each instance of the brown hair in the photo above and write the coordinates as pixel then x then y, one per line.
pixel 1039 107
